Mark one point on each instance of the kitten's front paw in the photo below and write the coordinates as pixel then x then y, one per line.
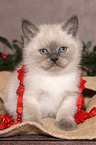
pixel 65 124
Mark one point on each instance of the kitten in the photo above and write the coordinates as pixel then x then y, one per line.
pixel 51 56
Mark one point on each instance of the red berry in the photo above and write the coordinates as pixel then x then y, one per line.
pixel 4 56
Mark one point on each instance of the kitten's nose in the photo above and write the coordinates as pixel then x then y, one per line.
pixel 54 59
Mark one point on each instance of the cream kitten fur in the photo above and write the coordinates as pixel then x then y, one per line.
pixel 52 76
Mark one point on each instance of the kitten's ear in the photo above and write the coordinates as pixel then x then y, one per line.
pixel 29 30
pixel 71 26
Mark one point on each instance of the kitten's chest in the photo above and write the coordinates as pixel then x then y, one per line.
pixel 52 90
pixel 56 84
pixel 49 91
pixel 51 85
pixel 52 93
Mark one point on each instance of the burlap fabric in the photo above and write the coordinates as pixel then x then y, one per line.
pixel 86 130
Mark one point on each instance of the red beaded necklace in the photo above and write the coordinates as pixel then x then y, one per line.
pixel 20 92
pixel 80 116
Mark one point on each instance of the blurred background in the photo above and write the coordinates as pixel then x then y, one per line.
pixel 46 11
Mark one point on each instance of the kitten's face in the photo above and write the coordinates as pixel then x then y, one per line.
pixel 52 48
pixel 54 56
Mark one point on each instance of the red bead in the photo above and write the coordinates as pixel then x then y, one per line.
pixel 18 119
pixel 19 116
pixel 20 105
pixel 21 83
pixel 92 112
pixel 20 99
pixel 79 116
pixel 80 101
pixel 19 109
pixel 20 77
pixel 4 56
pixel 20 90
pixel 82 83
pixel 21 73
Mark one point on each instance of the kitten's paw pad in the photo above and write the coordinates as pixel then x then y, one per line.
pixel 66 124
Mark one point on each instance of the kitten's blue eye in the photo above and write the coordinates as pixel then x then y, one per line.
pixel 63 49
pixel 43 51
